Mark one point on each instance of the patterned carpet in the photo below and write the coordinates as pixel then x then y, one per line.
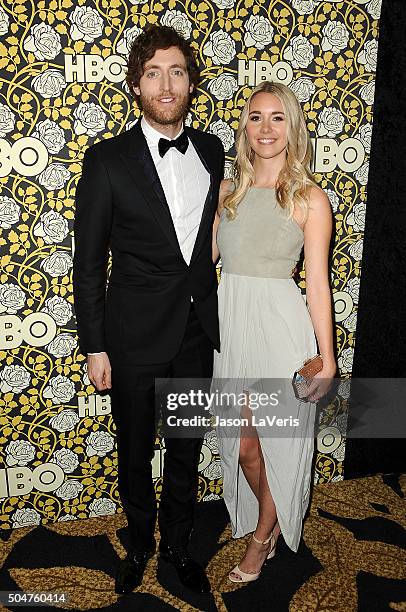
pixel 351 558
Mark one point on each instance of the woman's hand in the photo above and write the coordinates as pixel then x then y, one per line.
pixel 321 383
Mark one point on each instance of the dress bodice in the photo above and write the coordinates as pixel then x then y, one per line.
pixel 261 241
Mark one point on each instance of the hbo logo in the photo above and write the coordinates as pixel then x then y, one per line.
pixel 348 155
pixel 93 68
pixel 28 156
pixel 253 72
pixel 38 329
pixel 15 481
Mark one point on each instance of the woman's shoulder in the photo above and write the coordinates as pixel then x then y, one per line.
pixel 320 213
pixel 318 199
pixel 226 186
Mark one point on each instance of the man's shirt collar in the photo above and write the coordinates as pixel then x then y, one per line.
pixel 152 135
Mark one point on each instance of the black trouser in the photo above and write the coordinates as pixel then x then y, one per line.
pixel 133 410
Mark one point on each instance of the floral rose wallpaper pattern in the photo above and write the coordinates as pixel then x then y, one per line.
pixel 62 89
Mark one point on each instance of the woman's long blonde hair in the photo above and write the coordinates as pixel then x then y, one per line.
pixel 295 178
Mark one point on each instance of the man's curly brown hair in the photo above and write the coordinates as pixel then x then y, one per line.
pixel 143 48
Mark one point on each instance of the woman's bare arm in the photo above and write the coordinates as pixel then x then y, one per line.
pixel 317 236
pixel 224 190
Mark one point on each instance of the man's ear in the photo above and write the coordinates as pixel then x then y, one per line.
pixel 191 88
pixel 136 90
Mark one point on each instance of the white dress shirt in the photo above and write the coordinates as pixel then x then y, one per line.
pixel 185 182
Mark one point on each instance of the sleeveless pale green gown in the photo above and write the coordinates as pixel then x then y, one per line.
pixel 265 333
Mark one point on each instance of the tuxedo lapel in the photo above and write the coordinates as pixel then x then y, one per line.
pixel 139 163
pixel 206 158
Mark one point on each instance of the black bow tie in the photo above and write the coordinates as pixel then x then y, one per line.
pixel 181 143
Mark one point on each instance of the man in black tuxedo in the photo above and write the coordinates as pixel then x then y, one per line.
pixel 150 194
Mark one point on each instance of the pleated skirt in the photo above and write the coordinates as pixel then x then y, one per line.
pixel 266 334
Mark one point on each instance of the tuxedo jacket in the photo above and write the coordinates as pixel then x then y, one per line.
pixel 120 204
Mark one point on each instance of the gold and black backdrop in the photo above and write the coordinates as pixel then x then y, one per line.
pixel 62 67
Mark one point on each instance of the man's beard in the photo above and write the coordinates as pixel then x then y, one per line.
pixel 164 116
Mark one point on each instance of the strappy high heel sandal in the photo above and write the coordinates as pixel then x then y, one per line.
pixel 244 577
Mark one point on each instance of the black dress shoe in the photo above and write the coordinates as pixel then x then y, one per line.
pixel 131 570
pixel 190 573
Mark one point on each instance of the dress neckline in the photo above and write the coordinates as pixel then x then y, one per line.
pixel 255 187
pixel 292 219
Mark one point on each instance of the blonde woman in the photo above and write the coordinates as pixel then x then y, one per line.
pixel 266 214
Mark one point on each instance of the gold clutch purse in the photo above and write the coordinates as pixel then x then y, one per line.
pixel 302 377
